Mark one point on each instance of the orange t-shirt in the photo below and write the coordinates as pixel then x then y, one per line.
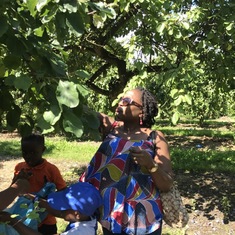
pixel 40 173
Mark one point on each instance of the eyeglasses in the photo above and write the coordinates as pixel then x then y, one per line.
pixel 128 101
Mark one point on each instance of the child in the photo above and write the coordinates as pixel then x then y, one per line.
pixel 41 171
pixel 77 204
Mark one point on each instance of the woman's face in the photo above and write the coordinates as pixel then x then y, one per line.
pixel 129 106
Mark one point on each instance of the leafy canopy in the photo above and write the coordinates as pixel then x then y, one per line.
pixel 57 55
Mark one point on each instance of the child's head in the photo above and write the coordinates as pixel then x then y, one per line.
pixel 32 148
pixel 81 197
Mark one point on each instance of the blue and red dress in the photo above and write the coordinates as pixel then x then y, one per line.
pixel 131 200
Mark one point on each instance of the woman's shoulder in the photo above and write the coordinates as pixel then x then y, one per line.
pixel 157 133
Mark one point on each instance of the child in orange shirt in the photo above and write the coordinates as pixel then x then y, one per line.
pixel 41 171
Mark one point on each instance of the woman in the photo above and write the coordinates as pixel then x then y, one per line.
pixel 130 167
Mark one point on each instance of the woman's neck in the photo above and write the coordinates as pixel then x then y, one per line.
pixel 133 128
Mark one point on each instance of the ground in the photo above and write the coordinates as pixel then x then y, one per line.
pixel 209 197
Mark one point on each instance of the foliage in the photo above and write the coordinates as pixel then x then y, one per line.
pixel 57 56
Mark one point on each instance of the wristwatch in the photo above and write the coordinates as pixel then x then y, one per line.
pixel 154 168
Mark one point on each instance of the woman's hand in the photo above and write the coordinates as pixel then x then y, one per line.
pixel 142 157
pixel 22 185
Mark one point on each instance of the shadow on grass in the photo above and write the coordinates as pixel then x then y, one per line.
pixel 210 192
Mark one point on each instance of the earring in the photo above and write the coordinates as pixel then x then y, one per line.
pixel 141 121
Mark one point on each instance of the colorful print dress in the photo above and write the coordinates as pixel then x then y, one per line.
pixel 131 200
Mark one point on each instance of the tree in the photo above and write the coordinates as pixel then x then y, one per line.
pixel 58 55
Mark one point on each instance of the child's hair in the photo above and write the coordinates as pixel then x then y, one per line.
pixel 34 138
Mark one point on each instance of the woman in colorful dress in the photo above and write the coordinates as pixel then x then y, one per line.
pixel 130 167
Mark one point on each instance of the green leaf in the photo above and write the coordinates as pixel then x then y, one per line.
pixel 41 4
pixel 67 94
pixel 72 123
pixel 175 118
pixel 229 46
pixel 57 64
pixel 186 25
pixel 91 120
pixel 71 6
pixel 75 23
pixel 12 61
pixel 171 31
pixel 82 74
pixel 44 125
pixel 53 115
pixel 39 31
pixel 161 27
pixel 230 26
pixel 4 25
pixel 188 99
pixel 50 14
pixel 13 116
pixel 178 34
pixel 103 8
pixel 23 82
pixel 9 81
pixel 14 215
pixel 82 91
pixel 174 93
pixel 6 99
pixel 32 6
pixel 98 21
pixel 17 46
pixel 2 70
pixel 178 101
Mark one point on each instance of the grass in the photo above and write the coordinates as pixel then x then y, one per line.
pixel 72 150
pixel 191 131
pixel 56 148
pixel 204 161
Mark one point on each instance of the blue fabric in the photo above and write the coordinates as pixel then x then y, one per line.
pixel 23 207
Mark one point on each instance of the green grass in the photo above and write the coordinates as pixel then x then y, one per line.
pixel 56 148
pixel 182 159
pixel 203 161
pixel 206 123
pixel 59 148
pixel 10 147
pixel 197 132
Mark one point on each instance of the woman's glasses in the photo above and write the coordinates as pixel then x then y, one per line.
pixel 128 101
